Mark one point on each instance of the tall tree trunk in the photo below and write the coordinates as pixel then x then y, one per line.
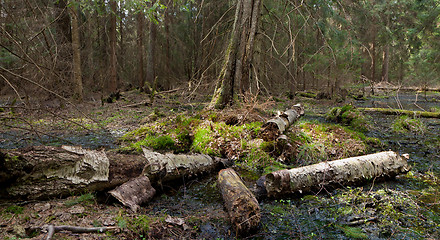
pixel 238 56
pixel 121 34
pixel 113 81
pixel 386 60
pixel 140 49
pixel 151 60
pixel 63 22
pixel 290 75
pixel 76 48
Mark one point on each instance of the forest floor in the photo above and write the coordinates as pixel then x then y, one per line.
pixel 405 208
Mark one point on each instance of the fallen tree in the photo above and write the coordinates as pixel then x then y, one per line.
pixel 392 111
pixel 134 192
pixel 353 170
pixel 51 230
pixel 43 172
pixel 241 204
pixel 276 126
pixel 168 167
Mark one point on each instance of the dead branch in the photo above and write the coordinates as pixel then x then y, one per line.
pixel 51 229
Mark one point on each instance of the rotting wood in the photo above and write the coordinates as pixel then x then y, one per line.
pixel 241 204
pixel 43 172
pixel 51 230
pixel 169 167
pixel 279 124
pixel 353 170
pixel 134 192
pixel 392 111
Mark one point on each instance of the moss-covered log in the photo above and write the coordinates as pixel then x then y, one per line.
pixel 134 192
pixel 241 204
pixel 277 125
pixel 392 111
pixel 347 171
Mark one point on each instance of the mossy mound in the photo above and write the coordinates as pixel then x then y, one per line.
pixel 406 124
pixel 350 116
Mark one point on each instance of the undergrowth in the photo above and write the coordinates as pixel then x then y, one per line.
pixel 405 124
pixel 350 116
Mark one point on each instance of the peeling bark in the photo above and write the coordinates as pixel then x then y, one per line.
pixel 347 171
pixel 276 126
pixel 42 172
pixel 134 192
pixel 169 167
pixel 241 204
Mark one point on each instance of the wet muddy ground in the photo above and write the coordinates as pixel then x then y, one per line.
pixel 404 208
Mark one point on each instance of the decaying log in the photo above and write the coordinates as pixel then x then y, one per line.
pixel 134 192
pixel 241 204
pixel 392 111
pixel 277 125
pixel 335 173
pixel 51 230
pixel 42 172
pixel 169 167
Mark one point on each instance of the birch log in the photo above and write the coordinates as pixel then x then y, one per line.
pixel 279 124
pixel 339 172
pixel 169 167
pixel 241 204
pixel 134 192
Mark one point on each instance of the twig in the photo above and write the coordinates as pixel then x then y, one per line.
pixel 54 229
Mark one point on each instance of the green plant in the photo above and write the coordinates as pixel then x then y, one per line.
pixel 311 153
pixel 407 124
pixel 14 209
pixel 87 198
pixel 202 139
pixel 350 116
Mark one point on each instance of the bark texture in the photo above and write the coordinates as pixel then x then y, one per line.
pixel 241 204
pixel 134 192
pixel 169 167
pixel 43 172
pixel 340 172
pixel 236 71
pixel 276 126
pixel 76 49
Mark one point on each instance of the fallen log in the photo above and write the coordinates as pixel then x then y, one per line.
pixel 134 192
pixel 51 230
pixel 353 170
pixel 391 111
pixel 279 124
pixel 43 172
pixel 168 167
pixel 241 204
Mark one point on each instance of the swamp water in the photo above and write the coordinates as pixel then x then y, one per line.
pixel 405 208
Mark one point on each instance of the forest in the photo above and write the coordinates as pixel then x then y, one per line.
pixel 202 119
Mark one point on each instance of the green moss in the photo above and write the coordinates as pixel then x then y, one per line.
pixel 352 232
pixel 87 198
pixel 407 124
pixel 14 209
pixel 163 142
pixel 350 116
pixel 202 139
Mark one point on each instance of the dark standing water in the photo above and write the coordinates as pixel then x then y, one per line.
pixel 310 216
